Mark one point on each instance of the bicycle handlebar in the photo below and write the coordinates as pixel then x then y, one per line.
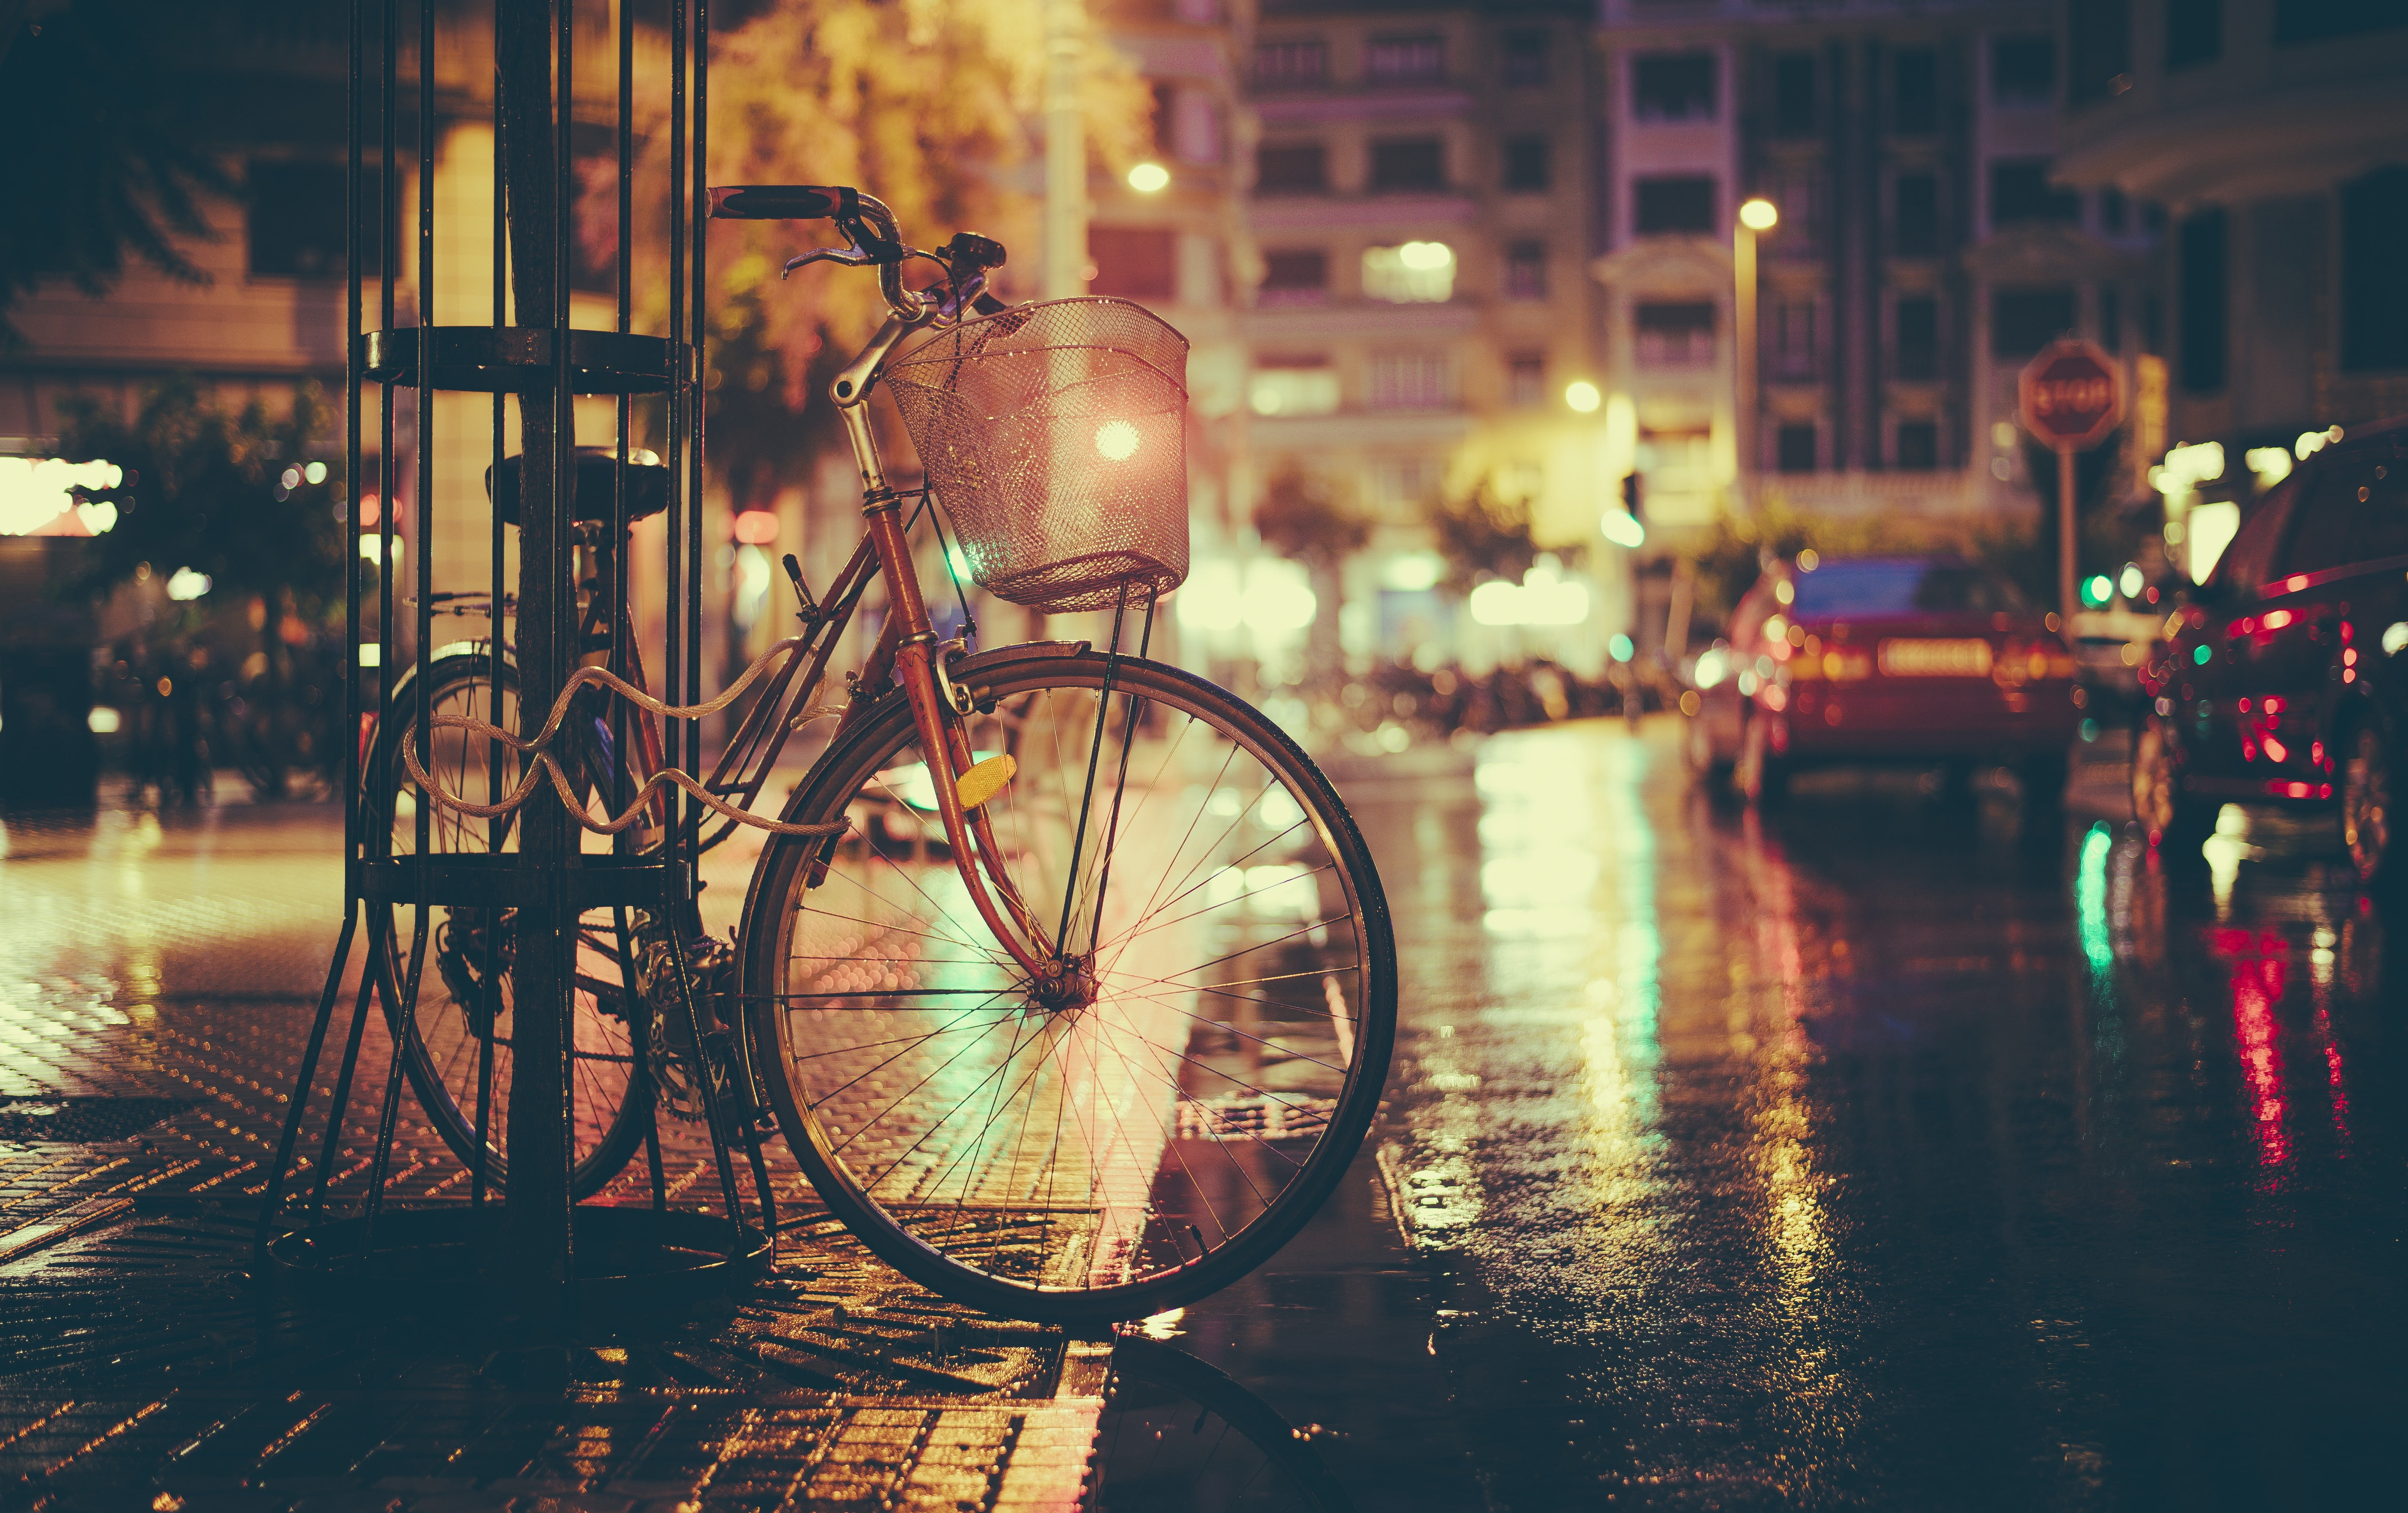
pixel 876 242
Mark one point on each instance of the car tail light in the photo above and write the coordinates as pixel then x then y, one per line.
pixel 1824 661
pixel 2030 661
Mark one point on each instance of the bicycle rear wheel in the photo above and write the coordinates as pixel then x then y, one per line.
pixel 1106 1156
pixel 463 1008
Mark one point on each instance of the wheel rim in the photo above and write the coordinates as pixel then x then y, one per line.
pixel 456 1021
pixel 2366 804
pixel 1183 1119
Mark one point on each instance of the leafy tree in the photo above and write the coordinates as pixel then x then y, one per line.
pixel 1312 521
pixel 103 163
pixel 1483 535
pixel 207 489
pixel 922 102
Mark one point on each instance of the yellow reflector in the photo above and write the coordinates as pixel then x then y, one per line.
pixel 984 781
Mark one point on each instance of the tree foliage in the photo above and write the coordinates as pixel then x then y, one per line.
pixel 926 103
pixel 1483 535
pixel 1310 518
pixel 205 490
pixel 102 163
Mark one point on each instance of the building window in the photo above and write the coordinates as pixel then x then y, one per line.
pixel 1919 443
pixel 1298 65
pixel 1401 486
pixel 1134 262
pixel 1186 124
pixel 1676 336
pixel 294 213
pixel 2023 321
pixel 1165 115
pixel 1525 270
pixel 2315 20
pixel 1408 164
pixel 1673 87
pixel 2373 300
pixel 1914 93
pixel 1526 379
pixel 2194 32
pixel 1294 387
pixel 1526 58
pixel 1405 60
pixel 2022 72
pixel 2098 51
pixel 1295 168
pixel 1411 381
pixel 1793 94
pixel 1793 449
pixel 1417 273
pixel 1669 207
pixel 1918 339
pixel 2020 192
pixel 1526 163
pixel 2110 318
pixel 1296 276
pixel 2200 303
pixel 2114 212
pixel 1916 230
pixel 1794 191
pixel 1793 340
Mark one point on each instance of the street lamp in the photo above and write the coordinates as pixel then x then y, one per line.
pixel 1756 216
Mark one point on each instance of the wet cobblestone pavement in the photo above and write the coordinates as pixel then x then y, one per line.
pixel 1895 1150
pixel 156 981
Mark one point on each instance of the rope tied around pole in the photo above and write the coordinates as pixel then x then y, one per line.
pixel 544 763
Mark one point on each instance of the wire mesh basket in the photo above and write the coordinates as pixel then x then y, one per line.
pixel 1056 435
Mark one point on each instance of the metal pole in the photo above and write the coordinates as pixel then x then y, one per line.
pixel 536 1196
pixel 1743 362
pixel 1065 152
pixel 2066 601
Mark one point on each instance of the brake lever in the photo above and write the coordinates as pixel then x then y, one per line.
pixel 850 256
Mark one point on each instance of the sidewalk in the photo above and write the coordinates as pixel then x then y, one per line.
pixel 157 978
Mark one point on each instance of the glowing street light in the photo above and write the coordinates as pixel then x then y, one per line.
pixel 1581 396
pixel 1149 177
pixel 1759 215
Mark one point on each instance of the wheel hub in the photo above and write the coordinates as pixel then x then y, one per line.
pixel 1064 984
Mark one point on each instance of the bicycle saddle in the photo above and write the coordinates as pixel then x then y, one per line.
pixel 648 485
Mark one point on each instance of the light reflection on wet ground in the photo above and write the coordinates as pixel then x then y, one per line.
pixel 1884 1151
pixel 1887 1151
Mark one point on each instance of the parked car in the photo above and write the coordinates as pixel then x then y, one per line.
pixel 1911 661
pixel 2280 680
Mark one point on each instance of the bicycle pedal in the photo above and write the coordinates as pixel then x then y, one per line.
pixel 985 780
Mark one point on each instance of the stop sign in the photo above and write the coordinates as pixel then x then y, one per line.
pixel 2072 395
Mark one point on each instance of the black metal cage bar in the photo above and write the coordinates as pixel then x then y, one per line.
pixel 509 901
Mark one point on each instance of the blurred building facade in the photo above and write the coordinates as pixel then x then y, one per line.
pixel 1921 252
pixel 2275 133
pixel 1170 233
pixel 1419 200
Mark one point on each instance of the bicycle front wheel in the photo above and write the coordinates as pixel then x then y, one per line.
pixel 1117 1150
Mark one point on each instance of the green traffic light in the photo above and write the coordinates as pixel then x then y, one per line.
pixel 2095 591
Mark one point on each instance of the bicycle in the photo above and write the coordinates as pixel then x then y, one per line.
pixel 1066 973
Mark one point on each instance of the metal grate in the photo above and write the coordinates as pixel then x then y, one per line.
pixel 1056 434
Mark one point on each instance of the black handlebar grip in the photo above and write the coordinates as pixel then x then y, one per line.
pixel 777 202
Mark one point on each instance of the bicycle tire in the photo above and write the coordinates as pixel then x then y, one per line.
pixel 1251 1117
pixel 613 1075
